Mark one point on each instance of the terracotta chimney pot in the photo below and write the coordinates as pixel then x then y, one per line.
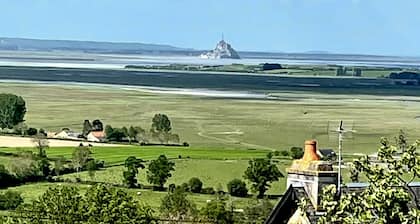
pixel 310 151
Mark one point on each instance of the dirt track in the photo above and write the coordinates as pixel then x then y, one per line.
pixel 10 141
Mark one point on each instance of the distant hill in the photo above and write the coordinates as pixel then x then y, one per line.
pixel 84 46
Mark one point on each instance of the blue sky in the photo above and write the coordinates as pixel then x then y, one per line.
pixel 388 27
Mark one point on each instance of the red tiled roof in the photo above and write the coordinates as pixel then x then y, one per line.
pixel 98 134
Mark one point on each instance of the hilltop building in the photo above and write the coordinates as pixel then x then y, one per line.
pixel 222 50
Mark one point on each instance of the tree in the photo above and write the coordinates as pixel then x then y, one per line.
pixel 91 168
pixel 216 212
pixel 296 152
pixel 161 123
pixel 97 125
pixel 10 200
pixel 175 206
pixel 132 133
pixel 59 165
pixel 261 172
pixel 108 130
pixel 6 178
pixel 32 131
pixel 195 185
pixel 100 204
pixel 387 198
pixel 80 157
pixel 12 110
pixel 130 175
pixel 115 134
pixel 87 127
pixel 256 211
pixel 159 171
pixel 21 128
pixel 237 187
pixel 41 143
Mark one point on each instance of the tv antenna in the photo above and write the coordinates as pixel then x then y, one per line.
pixel 341 131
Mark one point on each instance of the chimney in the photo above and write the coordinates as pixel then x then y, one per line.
pixel 310 173
pixel 310 151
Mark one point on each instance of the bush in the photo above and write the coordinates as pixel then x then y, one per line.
pixel 237 188
pixel 32 131
pixel 10 200
pixel 284 153
pixel 276 153
pixel 195 185
pixel 296 152
pixel 185 187
pixel 208 190
pixel 185 144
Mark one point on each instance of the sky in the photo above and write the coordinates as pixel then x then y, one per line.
pixel 384 27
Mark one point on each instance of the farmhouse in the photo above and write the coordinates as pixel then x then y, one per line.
pixel 96 136
pixel 305 180
pixel 67 134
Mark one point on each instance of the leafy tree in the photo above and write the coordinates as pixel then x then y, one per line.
pixel 87 127
pixel 261 172
pixel 237 187
pixel 296 152
pixel 59 165
pixel 12 110
pixel 41 143
pixel 10 200
pixel 97 125
pixel 108 130
pixel 130 175
pixel 161 123
pixel 80 157
pixel 216 212
pixel 195 185
pixel 6 178
pixel 117 135
pixel 91 168
pixel 100 204
pixel 32 131
pixel 175 206
pixel 21 128
pixel 110 205
pixel 256 211
pixel 132 133
pixel 159 171
pixel 387 198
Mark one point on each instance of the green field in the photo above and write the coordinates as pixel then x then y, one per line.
pixel 212 123
pixel 117 155
pixel 213 173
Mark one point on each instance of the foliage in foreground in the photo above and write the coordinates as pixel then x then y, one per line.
pixel 261 172
pixel 388 198
pixel 100 204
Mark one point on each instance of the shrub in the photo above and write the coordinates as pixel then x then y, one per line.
pixel 296 152
pixel 185 144
pixel 276 153
pixel 195 185
pixel 284 153
pixel 208 190
pixel 185 187
pixel 237 188
pixel 32 131
pixel 10 200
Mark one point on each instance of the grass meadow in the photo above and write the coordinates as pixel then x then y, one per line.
pixel 228 123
